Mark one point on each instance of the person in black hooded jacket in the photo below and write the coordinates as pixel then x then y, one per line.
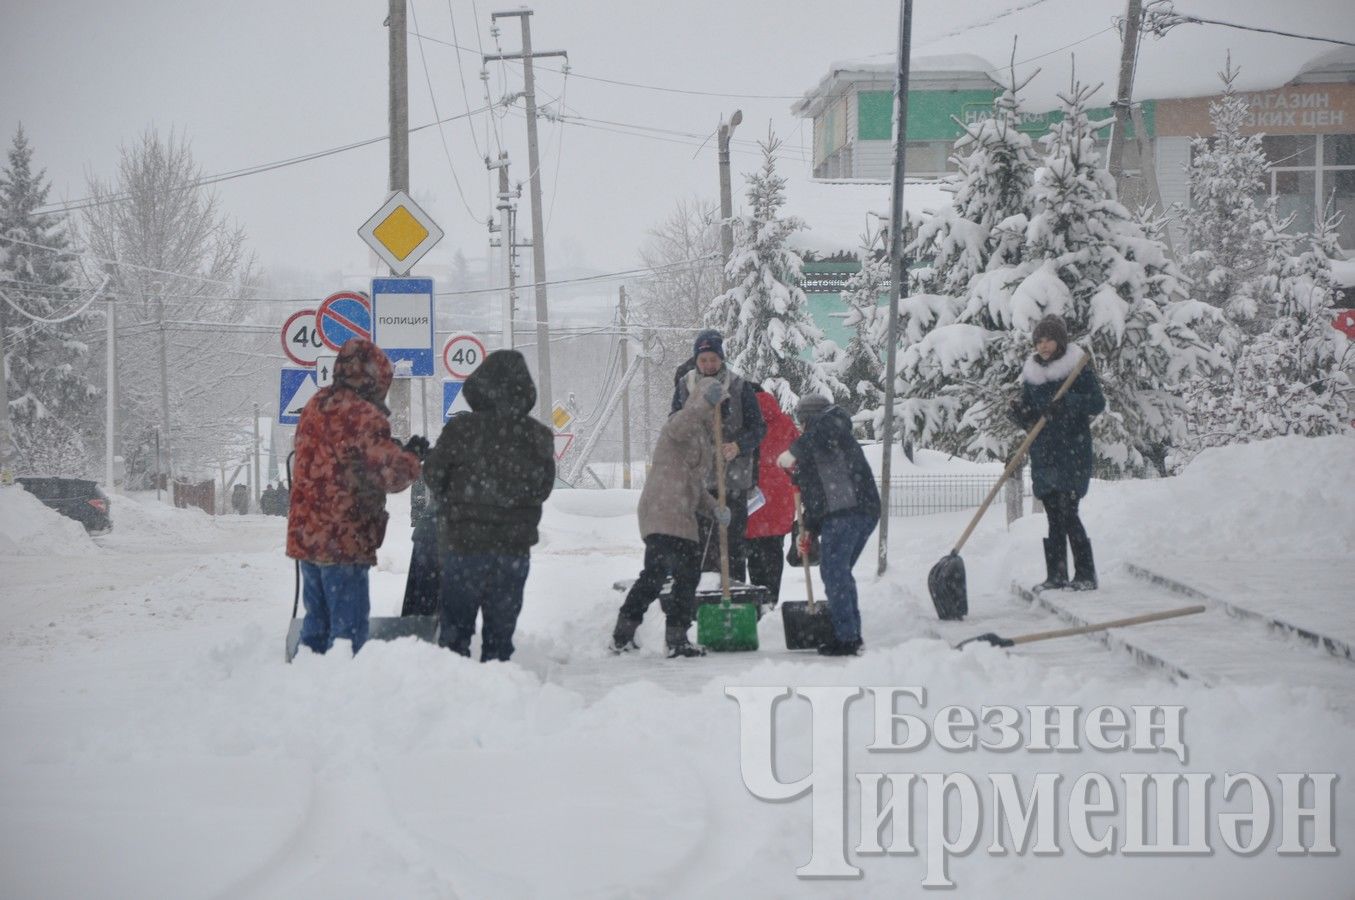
pixel 489 473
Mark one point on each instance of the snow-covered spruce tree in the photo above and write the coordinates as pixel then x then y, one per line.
pixel 968 251
pixel 1088 260
pixel 1294 377
pixel 764 316
pixel 53 408
pixel 861 368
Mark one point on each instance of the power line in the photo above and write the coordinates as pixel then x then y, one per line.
pixel 89 202
pixel 1164 17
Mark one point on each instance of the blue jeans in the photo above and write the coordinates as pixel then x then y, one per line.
pixel 841 541
pixel 487 583
pixel 337 605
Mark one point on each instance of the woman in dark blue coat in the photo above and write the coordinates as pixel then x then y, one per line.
pixel 1061 456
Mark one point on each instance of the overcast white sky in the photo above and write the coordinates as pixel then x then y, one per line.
pixel 253 81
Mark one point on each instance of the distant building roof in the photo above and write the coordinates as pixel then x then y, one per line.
pixel 1333 66
pixel 950 72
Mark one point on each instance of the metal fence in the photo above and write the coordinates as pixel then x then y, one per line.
pixel 925 495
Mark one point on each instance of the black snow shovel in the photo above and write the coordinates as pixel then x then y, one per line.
pixel 725 626
pixel 807 624
pixel 998 640
pixel 379 628
pixel 946 580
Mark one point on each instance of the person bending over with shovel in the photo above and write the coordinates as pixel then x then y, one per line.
pixel 674 492
pixel 1061 456
pixel 841 506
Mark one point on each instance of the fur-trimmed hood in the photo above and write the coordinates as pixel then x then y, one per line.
pixel 1037 372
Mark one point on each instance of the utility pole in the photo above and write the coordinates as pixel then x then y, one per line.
pixel 110 393
pixel 507 227
pixel 399 171
pixel 256 491
pixel 164 393
pixel 7 454
pixel 544 398
pixel 1129 49
pixel 625 401
pixel 726 199
pixel 897 269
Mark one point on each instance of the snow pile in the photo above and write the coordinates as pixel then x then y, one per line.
pixel 143 516
pixel 1282 498
pixel 30 528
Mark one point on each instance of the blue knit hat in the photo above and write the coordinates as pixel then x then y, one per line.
pixel 709 340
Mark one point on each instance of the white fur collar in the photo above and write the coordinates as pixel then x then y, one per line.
pixel 1034 373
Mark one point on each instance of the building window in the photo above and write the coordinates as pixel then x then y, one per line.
pixel 1309 171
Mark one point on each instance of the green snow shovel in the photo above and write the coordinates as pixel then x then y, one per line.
pixel 725 626
pixel 946 580
pixel 807 624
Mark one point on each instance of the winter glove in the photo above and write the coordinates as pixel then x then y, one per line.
pixel 722 516
pixel 714 394
pixel 803 543
pixel 1021 413
pixel 786 460
pixel 1055 409
pixel 418 445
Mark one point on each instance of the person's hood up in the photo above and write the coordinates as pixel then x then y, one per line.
pixel 771 410
pixel 363 368
pixel 502 384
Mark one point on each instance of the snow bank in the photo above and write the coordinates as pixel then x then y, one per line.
pixel 30 528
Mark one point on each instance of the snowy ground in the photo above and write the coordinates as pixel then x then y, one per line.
pixel 156 745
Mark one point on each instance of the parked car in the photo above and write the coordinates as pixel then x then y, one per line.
pixel 75 498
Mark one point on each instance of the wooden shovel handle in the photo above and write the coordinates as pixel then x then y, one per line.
pixel 804 557
pixel 1101 626
pixel 1021 452
pixel 720 495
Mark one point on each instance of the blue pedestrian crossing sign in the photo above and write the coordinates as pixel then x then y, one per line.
pixel 402 323
pixel 453 400
pixel 296 388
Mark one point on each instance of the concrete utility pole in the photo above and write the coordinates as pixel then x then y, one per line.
pixel 508 231
pixel 7 455
pixel 898 271
pixel 726 199
pixel 257 492
pixel 544 399
pixel 625 400
pixel 110 394
pixel 164 391
pixel 1129 49
pixel 399 172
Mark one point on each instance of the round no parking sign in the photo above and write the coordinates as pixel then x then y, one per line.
pixel 462 354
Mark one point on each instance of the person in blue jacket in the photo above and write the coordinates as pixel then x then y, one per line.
pixel 1061 456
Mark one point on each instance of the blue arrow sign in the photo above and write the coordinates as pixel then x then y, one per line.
pixel 453 401
pixel 402 323
pixel 296 387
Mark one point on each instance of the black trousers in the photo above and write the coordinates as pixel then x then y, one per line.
pixel 666 555
pixel 738 550
pixel 1065 527
pixel 766 562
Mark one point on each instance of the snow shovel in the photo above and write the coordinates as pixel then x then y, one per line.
pixel 998 640
pixel 807 624
pixel 379 628
pixel 946 580
pixel 725 626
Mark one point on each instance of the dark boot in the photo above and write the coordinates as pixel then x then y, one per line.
pixel 1084 567
pixel 1055 566
pixel 623 636
pixel 840 648
pixel 678 645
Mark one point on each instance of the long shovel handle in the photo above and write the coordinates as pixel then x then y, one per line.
pixel 1021 452
pixel 1101 626
pixel 720 494
pixel 804 557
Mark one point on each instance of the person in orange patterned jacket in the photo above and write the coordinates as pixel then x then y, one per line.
pixel 346 464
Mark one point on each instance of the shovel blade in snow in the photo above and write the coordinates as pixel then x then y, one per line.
pixel 947 586
pixel 806 630
pixel 379 628
pixel 727 627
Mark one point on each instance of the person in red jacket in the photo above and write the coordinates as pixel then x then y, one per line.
pixel 346 464
pixel 771 522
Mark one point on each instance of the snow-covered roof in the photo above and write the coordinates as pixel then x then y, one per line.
pixel 947 71
pixel 1335 65
pixel 839 212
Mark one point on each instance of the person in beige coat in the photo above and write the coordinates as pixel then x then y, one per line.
pixel 674 492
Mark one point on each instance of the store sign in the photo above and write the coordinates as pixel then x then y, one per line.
pixel 1299 109
pixel 825 282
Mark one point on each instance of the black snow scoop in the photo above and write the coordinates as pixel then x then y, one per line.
pixel 807 624
pixel 379 628
pixel 946 580
pixel 998 640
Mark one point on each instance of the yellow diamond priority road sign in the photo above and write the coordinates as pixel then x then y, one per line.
pixel 400 232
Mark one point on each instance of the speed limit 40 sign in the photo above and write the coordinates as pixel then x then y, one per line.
pixel 462 354
pixel 301 339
